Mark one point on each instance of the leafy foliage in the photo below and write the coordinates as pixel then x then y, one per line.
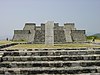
pixel 96 36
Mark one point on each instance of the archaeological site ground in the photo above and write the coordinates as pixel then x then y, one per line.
pixel 50 49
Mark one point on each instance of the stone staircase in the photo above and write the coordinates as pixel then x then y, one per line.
pixel 77 61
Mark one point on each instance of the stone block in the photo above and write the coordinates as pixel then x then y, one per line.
pixel 78 35
pixel 49 33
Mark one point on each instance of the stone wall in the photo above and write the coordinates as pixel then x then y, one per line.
pixel 69 26
pixel 60 34
pixel 39 37
pixel 67 29
pixel 22 32
pixel 42 26
pixel 78 35
pixel 68 35
pixel 29 26
pixel 21 37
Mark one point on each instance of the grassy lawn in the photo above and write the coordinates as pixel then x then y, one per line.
pixel 96 41
pixel 27 46
pixel 5 42
pixel 69 45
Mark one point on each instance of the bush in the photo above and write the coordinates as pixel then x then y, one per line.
pixel 91 37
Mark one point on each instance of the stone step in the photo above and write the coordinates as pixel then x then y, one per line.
pixel 81 61
pixel 46 64
pixel 49 53
pixel 95 55
pixel 67 74
pixel 48 70
pixel 50 61
pixel 95 63
pixel 44 73
pixel 51 58
pixel 53 68
pixel 51 49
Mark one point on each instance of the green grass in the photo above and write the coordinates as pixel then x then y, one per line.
pixel 96 40
pixel 69 45
pixel 5 42
pixel 27 46
pixel 91 37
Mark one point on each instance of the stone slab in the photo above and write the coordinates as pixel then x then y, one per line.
pixel 49 33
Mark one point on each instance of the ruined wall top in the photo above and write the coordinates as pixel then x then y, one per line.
pixel 30 23
pixel 22 32
pixel 78 31
pixel 33 26
pixel 67 26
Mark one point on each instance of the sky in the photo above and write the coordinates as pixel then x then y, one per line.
pixel 15 13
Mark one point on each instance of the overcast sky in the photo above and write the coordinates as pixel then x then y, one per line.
pixel 15 13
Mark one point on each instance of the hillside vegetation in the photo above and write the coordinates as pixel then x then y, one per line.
pixel 96 36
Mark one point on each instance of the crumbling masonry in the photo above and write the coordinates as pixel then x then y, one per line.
pixel 49 32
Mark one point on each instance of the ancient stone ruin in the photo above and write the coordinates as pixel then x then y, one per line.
pixel 49 61
pixel 66 61
pixel 50 33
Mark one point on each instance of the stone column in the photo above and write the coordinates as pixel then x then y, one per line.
pixel 49 33
pixel 67 29
pixel 68 35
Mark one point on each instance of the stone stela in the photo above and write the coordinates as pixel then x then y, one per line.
pixel 49 33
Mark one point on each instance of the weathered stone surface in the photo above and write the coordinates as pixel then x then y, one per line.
pixel 50 32
pixel 31 27
pixel 50 61
pixel 60 39
pixel 39 37
pixel 68 35
pixel 78 35
pixel 75 61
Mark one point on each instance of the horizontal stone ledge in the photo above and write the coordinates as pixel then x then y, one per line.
pixel 51 58
pixel 50 65
pixel 70 74
pixel 60 56
pixel 82 61
pixel 73 74
pixel 49 50
pixel 52 68
pixel 50 72
pixel 36 49
pixel 48 59
pixel 79 53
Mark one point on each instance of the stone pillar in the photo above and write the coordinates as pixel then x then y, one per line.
pixel 67 29
pixel 68 35
pixel 49 33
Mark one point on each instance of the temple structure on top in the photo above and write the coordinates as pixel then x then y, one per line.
pixel 50 33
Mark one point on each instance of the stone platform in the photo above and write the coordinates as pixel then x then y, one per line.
pixel 63 61
pixel 49 33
